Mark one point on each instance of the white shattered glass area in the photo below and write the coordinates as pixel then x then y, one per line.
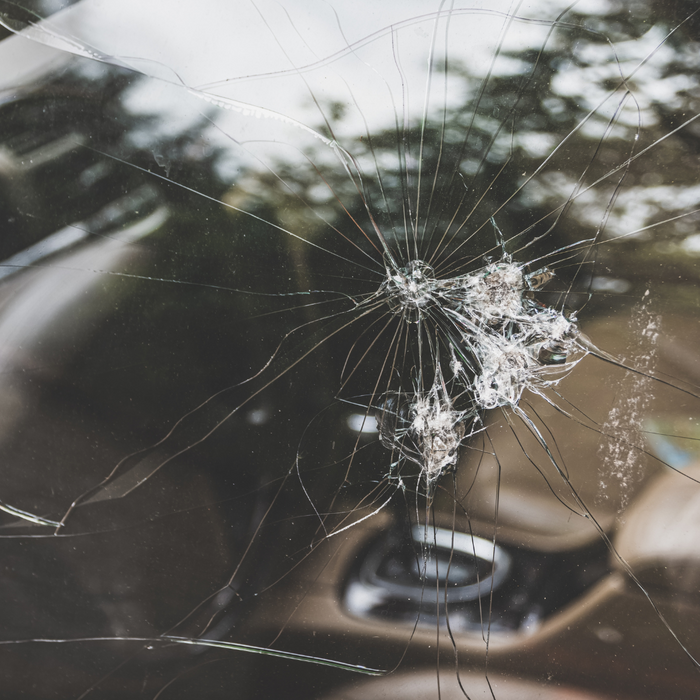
pixel 501 342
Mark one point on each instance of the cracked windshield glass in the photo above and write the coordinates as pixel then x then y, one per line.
pixel 350 350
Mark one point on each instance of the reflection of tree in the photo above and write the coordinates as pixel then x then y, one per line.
pixel 549 119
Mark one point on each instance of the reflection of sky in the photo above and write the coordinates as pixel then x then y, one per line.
pixel 208 41
pixel 254 45
pixel 220 40
pixel 249 52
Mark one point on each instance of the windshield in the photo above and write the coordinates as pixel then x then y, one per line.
pixel 348 340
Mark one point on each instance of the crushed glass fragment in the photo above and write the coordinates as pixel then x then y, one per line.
pixel 502 343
